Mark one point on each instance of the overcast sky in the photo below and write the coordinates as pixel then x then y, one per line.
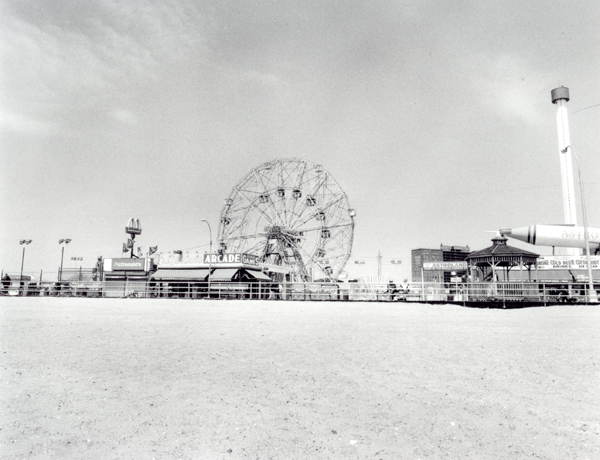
pixel 434 117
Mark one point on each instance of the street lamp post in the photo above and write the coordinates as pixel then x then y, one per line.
pixel 592 296
pixel 23 243
pixel 62 242
pixel 209 254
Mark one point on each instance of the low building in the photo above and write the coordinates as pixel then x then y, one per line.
pixel 198 275
pixel 122 276
pixel 426 266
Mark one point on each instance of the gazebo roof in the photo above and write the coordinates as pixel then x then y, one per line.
pixel 502 254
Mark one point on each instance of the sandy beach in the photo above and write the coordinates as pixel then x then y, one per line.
pixel 206 379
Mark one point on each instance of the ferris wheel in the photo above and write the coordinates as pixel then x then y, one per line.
pixel 290 212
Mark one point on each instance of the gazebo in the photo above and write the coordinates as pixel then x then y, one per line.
pixel 500 258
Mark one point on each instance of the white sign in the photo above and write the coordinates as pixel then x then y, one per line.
pixel 445 266
pixel 141 264
pixel 567 262
pixel 237 258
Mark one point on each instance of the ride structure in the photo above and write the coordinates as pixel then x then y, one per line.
pixel 290 212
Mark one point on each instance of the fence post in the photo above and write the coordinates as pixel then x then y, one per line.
pixel 544 293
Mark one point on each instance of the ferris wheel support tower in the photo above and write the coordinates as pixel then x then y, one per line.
pixel 560 97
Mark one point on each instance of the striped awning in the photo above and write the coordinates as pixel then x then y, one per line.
pixel 258 275
pixel 179 274
pixel 223 274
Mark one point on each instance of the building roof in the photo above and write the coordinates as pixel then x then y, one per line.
pixel 182 274
pixel 502 254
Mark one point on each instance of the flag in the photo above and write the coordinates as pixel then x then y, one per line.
pixel 129 243
pixel 125 247
pixel 140 253
pixel 153 249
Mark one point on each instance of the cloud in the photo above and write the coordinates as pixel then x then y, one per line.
pixel 509 87
pixel 73 57
pixel 125 116
pixel 265 78
pixel 21 123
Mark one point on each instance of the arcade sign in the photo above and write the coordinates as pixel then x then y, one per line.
pixel 235 258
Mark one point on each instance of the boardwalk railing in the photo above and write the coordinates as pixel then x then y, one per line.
pixel 463 293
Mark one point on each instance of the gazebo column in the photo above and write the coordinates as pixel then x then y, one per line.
pixel 521 268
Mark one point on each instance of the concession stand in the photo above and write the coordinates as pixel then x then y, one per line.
pixel 126 277
pixel 228 275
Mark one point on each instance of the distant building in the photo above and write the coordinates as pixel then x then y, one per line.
pixel 423 259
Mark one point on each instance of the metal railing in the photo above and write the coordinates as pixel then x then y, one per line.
pixel 497 294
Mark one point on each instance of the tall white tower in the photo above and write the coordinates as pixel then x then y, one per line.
pixel 560 97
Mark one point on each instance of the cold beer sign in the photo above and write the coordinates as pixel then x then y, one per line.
pixel 238 258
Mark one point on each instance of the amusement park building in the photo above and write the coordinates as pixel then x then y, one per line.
pixel 421 257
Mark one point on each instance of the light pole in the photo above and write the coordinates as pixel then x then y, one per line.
pixel 62 242
pixel 209 254
pixel 592 294
pixel 23 243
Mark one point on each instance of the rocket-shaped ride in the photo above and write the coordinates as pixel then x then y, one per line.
pixel 562 236
pixel 567 236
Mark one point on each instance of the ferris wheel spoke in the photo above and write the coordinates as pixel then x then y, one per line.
pixel 332 199
pixel 257 247
pixel 264 189
pixel 320 209
pixel 319 228
pixel 253 207
pixel 246 237
pixel 302 182
pixel 295 178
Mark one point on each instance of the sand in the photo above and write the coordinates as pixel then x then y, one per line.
pixel 208 379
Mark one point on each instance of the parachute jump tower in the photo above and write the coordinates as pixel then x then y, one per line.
pixel 560 97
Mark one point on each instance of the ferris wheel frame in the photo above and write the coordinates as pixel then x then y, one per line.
pixel 290 212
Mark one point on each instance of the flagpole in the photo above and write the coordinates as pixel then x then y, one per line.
pixel 209 254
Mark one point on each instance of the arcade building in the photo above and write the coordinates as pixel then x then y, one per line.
pixel 194 275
